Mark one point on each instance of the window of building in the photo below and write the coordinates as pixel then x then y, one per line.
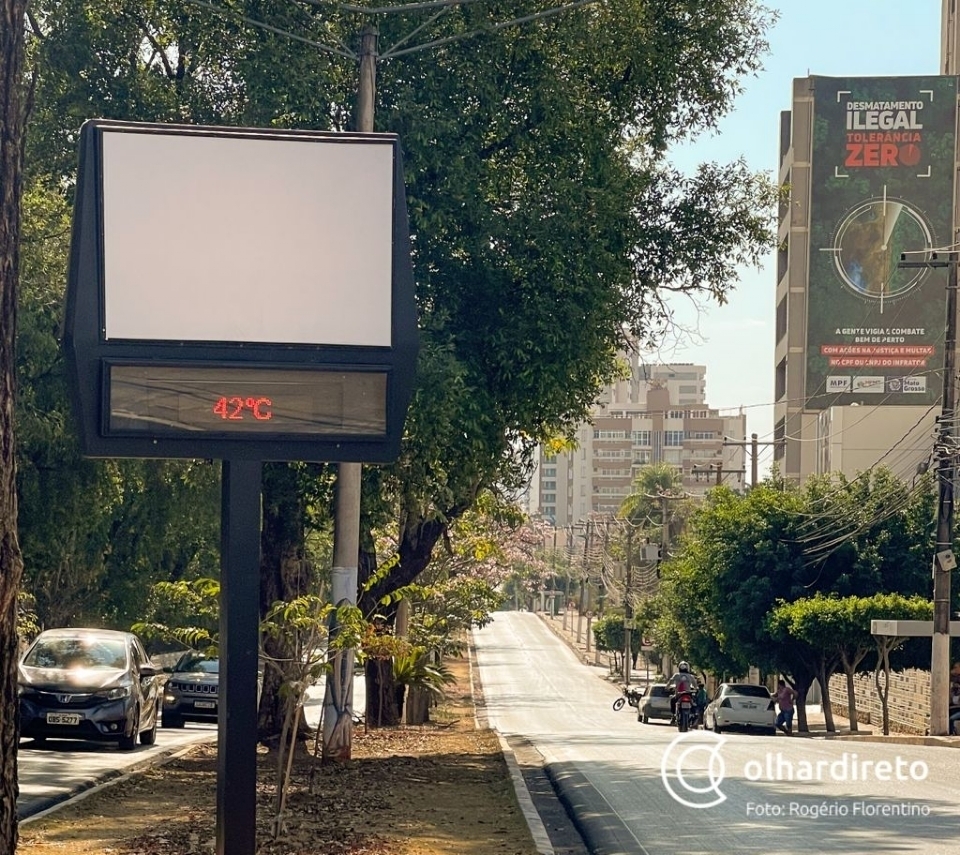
pixel 701 434
pixel 550 485
pixel 549 497
pixel 689 390
pixel 641 437
pixel 673 437
pixel 609 434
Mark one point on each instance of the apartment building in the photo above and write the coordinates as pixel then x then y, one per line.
pixel 656 415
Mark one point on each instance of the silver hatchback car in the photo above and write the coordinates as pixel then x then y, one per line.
pixel 655 703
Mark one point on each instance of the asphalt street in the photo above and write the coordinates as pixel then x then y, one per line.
pixel 634 789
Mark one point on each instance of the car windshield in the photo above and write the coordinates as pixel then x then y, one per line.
pixel 199 663
pixel 79 652
pixel 749 691
pixel 659 691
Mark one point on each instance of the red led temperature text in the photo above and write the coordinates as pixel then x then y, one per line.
pixel 236 408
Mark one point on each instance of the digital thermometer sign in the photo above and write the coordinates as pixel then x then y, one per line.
pixel 261 307
pixel 232 400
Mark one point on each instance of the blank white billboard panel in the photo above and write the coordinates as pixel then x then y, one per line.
pixel 246 239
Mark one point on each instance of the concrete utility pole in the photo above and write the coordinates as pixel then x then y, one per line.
pixel 943 559
pixel 754 445
pixel 337 743
pixel 628 607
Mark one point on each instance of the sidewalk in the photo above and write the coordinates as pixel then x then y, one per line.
pixel 816 721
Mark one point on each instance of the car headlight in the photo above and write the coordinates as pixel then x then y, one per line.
pixel 117 693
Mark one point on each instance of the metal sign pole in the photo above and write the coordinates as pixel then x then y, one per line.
pixel 239 645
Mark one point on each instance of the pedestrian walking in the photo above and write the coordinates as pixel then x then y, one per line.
pixel 786 697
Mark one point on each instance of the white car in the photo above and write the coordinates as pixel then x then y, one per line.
pixel 741 705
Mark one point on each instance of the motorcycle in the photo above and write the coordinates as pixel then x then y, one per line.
pixel 630 696
pixel 686 712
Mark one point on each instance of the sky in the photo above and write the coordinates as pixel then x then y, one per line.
pixel 841 38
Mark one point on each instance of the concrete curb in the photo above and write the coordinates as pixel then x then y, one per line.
pixel 598 824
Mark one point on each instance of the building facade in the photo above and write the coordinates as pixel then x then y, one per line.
pixel 867 166
pixel 656 415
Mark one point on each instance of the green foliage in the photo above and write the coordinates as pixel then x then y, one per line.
pixel 416 669
pixel 726 595
pixel 186 613
pixel 609 635
pixel 442 613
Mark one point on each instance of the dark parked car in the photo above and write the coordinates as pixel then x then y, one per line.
pixel 89 684
pixel 191 690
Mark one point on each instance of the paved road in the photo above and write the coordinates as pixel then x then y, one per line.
pixel 793 795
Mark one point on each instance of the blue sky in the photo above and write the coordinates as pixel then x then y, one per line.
pixel 837 38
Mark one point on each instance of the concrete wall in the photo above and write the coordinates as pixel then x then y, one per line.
pixel 909 701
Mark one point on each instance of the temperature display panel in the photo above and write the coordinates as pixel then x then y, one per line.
pixel 235 400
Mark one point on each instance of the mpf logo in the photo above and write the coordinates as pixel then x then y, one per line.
pixel 680 764
pixel 838 383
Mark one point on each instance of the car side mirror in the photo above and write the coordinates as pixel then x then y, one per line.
pixel 148 671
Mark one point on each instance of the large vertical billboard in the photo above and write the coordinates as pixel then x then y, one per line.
pixel 882 171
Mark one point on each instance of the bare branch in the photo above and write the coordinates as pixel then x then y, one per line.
pixel 347 54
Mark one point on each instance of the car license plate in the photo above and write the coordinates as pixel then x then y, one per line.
pixel 749 706
pixel 205 705
pixel 63 718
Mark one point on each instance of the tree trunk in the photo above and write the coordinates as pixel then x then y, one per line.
pixel 12 122
pixel 382 709
pixel 824 680
pixel 417 710
pixel 283 576
pixel 416 546
pixel 883 691
pixel 851 697
pixel 801 685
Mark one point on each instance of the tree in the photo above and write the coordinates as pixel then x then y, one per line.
pixel 545 217
pixel 12 124
pixel 820 624
pixel 779 544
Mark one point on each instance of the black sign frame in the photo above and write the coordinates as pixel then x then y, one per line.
pixel 89 352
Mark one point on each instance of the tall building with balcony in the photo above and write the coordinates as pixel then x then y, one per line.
pixel 656 415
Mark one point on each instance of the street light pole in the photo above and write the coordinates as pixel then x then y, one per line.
pixel 337 741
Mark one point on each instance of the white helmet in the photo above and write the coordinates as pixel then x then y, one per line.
pixel 684 666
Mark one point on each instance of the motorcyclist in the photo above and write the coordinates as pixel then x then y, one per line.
pixel 682 681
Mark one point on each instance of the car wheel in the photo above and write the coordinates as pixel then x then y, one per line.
pixel 168 720
pixel 716 726
pixel 149 737
pixel 129 741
